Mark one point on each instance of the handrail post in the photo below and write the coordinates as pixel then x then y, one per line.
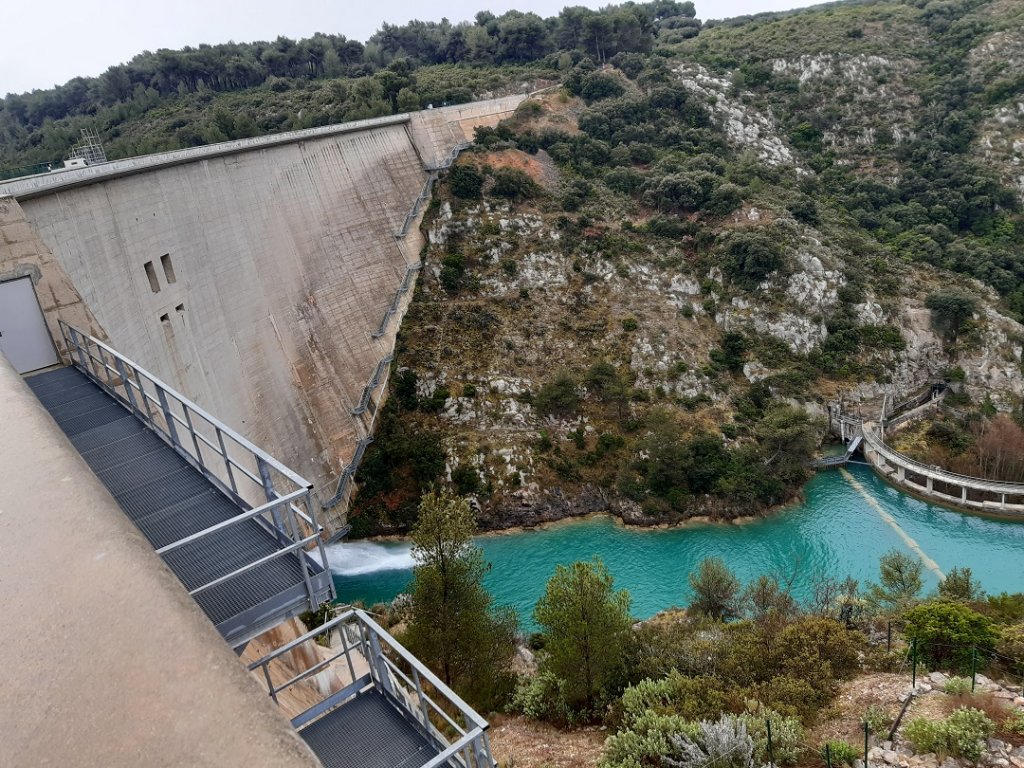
pixel 126 383
pixel 78 348
pixel 172 430
pixel 301 555
pixel 268 489
pixel 64 335
pixel 227 461
pixel 192 431
pixel 144 396
pixel 376 660
pixel 270 684
pixel 423 702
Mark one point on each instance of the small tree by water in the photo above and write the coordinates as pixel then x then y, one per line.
pixel 585 624
pixel 716 590
pixel 454 628
pixel 900 581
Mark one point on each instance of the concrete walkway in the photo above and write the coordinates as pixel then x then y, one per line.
pixel 106 659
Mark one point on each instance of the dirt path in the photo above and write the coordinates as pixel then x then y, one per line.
pixel 522 743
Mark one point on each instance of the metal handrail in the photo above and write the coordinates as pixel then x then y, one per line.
pixel 996 486
pixel 241 518
pixel 128 383
pixel 384 671
pixel 224 428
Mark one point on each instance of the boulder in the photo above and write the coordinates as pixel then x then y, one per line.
pixel 938 678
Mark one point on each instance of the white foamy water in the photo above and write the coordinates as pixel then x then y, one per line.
pixel 352 558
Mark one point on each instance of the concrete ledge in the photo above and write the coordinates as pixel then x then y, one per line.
pixel 106 660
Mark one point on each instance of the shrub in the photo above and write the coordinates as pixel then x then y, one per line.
pixel 1014 722
pixel 465 182
pixel 693 698
pixel 951 309
pixel 787 736
pixel 629 324
pixel 946 633
pixel 645 741
pixel 878 719
pixel 724 744
pixel 839 753
pixel 957 686
pixel 541 697
pixel 926 735
pixel 715 589
pixel 514 184
pixel 962 734
pixel 466 480
pixel 1011 642
pixel 558 396
pixel 752 255
pixel 966 729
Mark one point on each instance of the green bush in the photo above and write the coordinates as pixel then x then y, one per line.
pixel 541 697
pixel 926 735
pixel 787 736
pixel 962 734
pixel 839 753
pixel 644 741
pixel 957 686
pixel 693 698
pixel 966 729
pixel 1014 722
pixel 558 397
pixel 946 633
pixel 465 182
pixel 877 719
pixel 514 184
pixel 751 256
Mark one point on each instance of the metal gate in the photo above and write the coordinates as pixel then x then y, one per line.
pixel 24 338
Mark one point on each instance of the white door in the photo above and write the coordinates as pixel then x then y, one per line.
pixel 24 338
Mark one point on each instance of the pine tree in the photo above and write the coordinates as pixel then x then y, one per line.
pixel 585 626
pixel 454 628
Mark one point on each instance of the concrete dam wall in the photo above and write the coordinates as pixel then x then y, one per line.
pixel 254 276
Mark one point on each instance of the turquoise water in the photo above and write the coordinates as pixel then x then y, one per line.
pixel 834 531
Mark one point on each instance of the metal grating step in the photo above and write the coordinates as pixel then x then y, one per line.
pixel 169 524
pixel 85 389
pixel 55 380
pixel 97 417
pixel 168 499
pixel 81 405
pixel 125 449
pixel 123 477
pixel 104 434
pixel 370 733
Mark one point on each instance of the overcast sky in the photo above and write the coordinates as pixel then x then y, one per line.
pixel 46 42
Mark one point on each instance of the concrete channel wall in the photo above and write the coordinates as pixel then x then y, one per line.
pixel 253 275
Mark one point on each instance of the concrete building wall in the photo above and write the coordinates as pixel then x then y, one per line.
pixel 284 262
pixel 24 254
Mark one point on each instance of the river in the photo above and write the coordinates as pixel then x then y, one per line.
pixel 844 525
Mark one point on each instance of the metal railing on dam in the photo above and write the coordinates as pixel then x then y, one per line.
pixel 236 526
pixel 387 707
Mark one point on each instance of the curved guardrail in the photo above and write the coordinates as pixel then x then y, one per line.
pixel 936 473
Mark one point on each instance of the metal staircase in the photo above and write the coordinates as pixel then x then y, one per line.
pixel 382 708
pixel 234 525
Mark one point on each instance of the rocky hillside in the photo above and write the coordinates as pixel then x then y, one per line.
pixel 641 293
